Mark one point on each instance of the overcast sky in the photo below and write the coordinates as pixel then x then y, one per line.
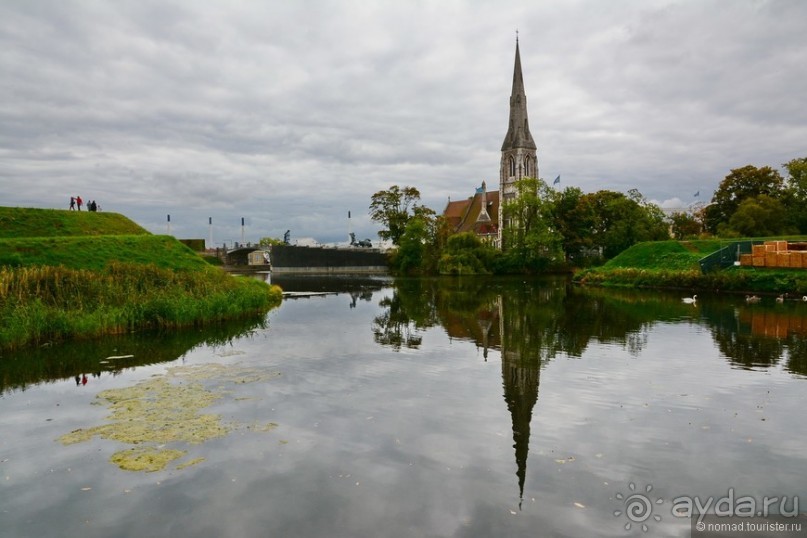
pixel 292 113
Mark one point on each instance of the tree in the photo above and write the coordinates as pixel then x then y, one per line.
pixel 393 208
pixel 409 258
pixel 529 240
pixel 757 216
pixel 573 217
pixel 419 249
pixel 684 225
pixel 466 254
pixel 269 241
pixel 741 183
pixel 796 193
pixel 797 176
pixel 621 221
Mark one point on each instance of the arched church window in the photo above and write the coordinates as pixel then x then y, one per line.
pixel 512 166
pixel 527 167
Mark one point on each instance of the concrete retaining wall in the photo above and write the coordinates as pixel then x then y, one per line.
pixel 295 259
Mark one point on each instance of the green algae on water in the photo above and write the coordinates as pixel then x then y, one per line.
pixel 148 459
pixel 167 409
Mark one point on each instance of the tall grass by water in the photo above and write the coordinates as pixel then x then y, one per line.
pixel 40 304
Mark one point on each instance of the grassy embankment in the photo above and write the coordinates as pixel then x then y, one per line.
pixel 66 274
pixel 674 264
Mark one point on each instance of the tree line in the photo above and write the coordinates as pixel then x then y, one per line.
pixel 554 230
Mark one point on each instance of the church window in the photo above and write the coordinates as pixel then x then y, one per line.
pixel 512 167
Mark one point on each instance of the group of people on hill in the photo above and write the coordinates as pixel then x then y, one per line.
pixel 76 201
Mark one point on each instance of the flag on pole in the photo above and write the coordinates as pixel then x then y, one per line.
pixel 557 180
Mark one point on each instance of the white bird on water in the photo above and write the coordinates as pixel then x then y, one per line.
pixel 752 299
pixel 690 300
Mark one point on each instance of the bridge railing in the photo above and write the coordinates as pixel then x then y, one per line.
pixel 726 256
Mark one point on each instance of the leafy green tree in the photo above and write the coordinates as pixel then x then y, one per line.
pixel 746 182
pixel 466 254
pixel 573 217
pixel 621 221
pixel 411 251
pixel 796 193
pixel 757 216
pixel 684 225
pixel 529 239
pixel 393 208
pixel 418 250
pixel 269 241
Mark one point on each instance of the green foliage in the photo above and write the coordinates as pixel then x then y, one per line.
pixel 741 183
pixel 466 254
pixel 685 225
pixel 196 245
pixel 419 246
pixel 796 193
pixel 412 247
pixel 42 304
pixel 529 239
pixel 54 287
pixel 738 279
pixel 621 221
pixel 674 264
pixel 96 252
pixel 393 208
pixel 757 215
pixel 270 241
pixel 17 222
pixel 574 217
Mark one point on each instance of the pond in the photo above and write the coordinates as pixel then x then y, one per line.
pixel 413 407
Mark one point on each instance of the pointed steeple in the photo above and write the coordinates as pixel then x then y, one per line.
pixel 518 132
pixel 519 156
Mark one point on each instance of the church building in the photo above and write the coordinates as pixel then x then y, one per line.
pixel 481 213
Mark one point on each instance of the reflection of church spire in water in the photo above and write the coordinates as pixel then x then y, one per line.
pixel 485 325
pixel 521 379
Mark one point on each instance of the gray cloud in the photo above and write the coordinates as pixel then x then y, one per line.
pixel 292 114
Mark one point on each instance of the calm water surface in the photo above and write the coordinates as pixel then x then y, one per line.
pixel 427 408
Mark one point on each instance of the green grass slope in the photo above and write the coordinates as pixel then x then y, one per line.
pixel 85 240
pixel 70 274
pixel 663 255
pixel 674 264
pixel 18 222
pixel 95 253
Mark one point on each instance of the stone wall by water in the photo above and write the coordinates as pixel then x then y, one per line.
pixel 296 259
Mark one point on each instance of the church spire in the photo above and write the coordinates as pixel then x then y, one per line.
pixel 519 159
pixel 518 132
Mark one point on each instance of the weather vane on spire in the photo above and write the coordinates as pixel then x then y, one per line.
pixel 516 34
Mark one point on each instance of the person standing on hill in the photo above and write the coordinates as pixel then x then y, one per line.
pixel 78 202
pixel 72 203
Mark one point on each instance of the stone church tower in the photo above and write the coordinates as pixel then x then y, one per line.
pixel 518 150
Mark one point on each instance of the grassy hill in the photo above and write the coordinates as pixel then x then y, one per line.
pixel 17 222
pixel 674 264
pixel 663 255
pixel 67 274
pixel 675 255
pixel 95 252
